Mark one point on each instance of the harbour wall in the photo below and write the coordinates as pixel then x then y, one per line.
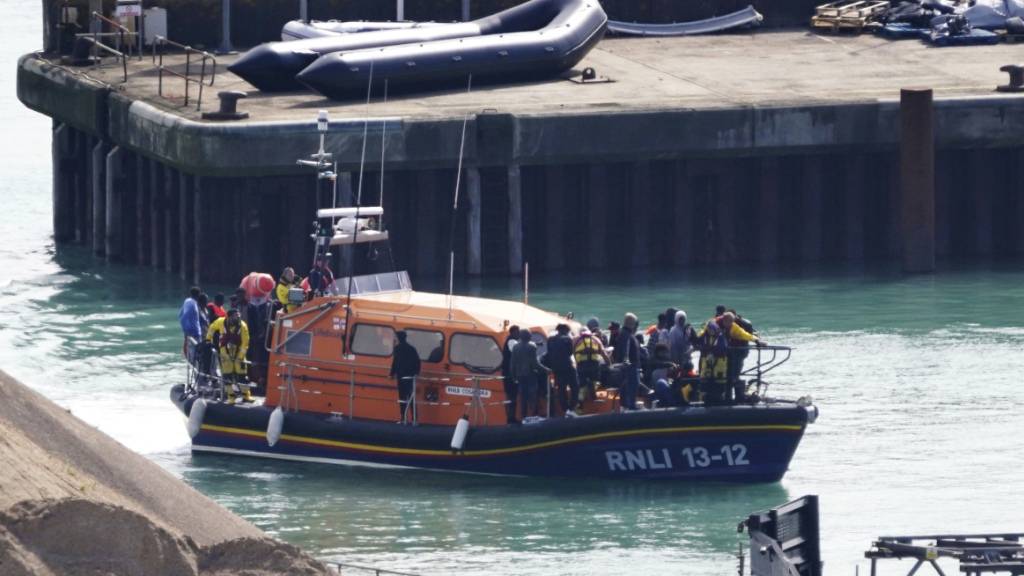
pixel 664 188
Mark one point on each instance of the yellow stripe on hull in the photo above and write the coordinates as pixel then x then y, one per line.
pixel 499 451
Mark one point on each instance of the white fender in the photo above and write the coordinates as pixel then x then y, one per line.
pixel 274 426
pixel 195 417
pixel 459 437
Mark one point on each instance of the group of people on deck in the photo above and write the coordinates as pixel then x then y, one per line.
pixel 223 334
pixel 658 359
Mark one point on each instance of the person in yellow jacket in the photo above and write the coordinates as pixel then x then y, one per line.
pixel 714 360
pixel 286 282
pixel 589 354
pixel 231 337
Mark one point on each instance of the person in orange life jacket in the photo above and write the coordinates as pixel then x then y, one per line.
pixel 562 363
pixel 589 354
pixel 216 308
pixel 231 337
pixel 405 367
pixel 508 378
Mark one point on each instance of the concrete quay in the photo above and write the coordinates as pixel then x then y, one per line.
pixel 758 147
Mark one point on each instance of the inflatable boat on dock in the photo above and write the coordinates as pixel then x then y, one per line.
pixel 330 395
pixel 536 39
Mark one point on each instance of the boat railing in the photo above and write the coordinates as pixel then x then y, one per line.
pixel 207 65
pixel 766 359
pixel 208 383
pixel 357 372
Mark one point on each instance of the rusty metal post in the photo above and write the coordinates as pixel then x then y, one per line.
pixel 917 180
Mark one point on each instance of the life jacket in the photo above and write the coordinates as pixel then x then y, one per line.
pixel 587 349
pixel 231 337
pixel 714 368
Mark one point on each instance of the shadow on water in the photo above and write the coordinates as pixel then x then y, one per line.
pixel 441 511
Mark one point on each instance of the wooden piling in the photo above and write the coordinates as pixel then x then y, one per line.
pixel 63 199
pixel 768 210
pixel 155 219
pixel 431 234
pixel 682 214
pixel 515 219
pixel 554 217
pixel 729 175
pixel 812 205
pixel 198 229
pixel 98 190
pixel 853 205
pixel 185 246
pixel 113 235
pixel 170 216
pixel 80 154
pixel 597 195
pixel 917 180
pixel 984 169
pixel 640 208
pixel 142 211
pixel 474 245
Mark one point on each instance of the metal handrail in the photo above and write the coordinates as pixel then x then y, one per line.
pixel 206 60
pixel 376 571
pixel 94 38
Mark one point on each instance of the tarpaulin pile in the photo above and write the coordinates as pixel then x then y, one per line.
pixel 951 22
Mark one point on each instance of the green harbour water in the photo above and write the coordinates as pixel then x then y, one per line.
pixel 918 379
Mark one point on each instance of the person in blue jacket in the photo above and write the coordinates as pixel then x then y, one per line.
pixel 191 325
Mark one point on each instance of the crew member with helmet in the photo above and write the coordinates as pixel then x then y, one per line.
pixel 231 337
pixel 286 282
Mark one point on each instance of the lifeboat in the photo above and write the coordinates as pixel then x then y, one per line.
pixel 329 396
pixel 535 39
pixel 329 365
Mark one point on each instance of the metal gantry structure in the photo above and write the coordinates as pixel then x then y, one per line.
pixel 976 554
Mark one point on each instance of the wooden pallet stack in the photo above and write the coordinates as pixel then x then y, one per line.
pixel 852 15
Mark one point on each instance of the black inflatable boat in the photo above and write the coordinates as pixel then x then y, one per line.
pixel 535 39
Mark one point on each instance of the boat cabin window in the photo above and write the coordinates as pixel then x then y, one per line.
pixel 298 343
pixel 476 352
pixel 429 345
pixel 373 340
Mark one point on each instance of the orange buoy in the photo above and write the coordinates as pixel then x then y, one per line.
pixel 257 285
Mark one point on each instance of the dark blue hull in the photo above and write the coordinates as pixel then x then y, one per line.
pixel 740 444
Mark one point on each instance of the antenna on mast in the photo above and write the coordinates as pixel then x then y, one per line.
pixel 323 162
pixel 455 208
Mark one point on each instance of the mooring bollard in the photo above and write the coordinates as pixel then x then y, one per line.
pixel 1016 73
pixel 228 107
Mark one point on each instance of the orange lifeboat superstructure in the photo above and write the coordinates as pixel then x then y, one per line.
pixel 331 358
